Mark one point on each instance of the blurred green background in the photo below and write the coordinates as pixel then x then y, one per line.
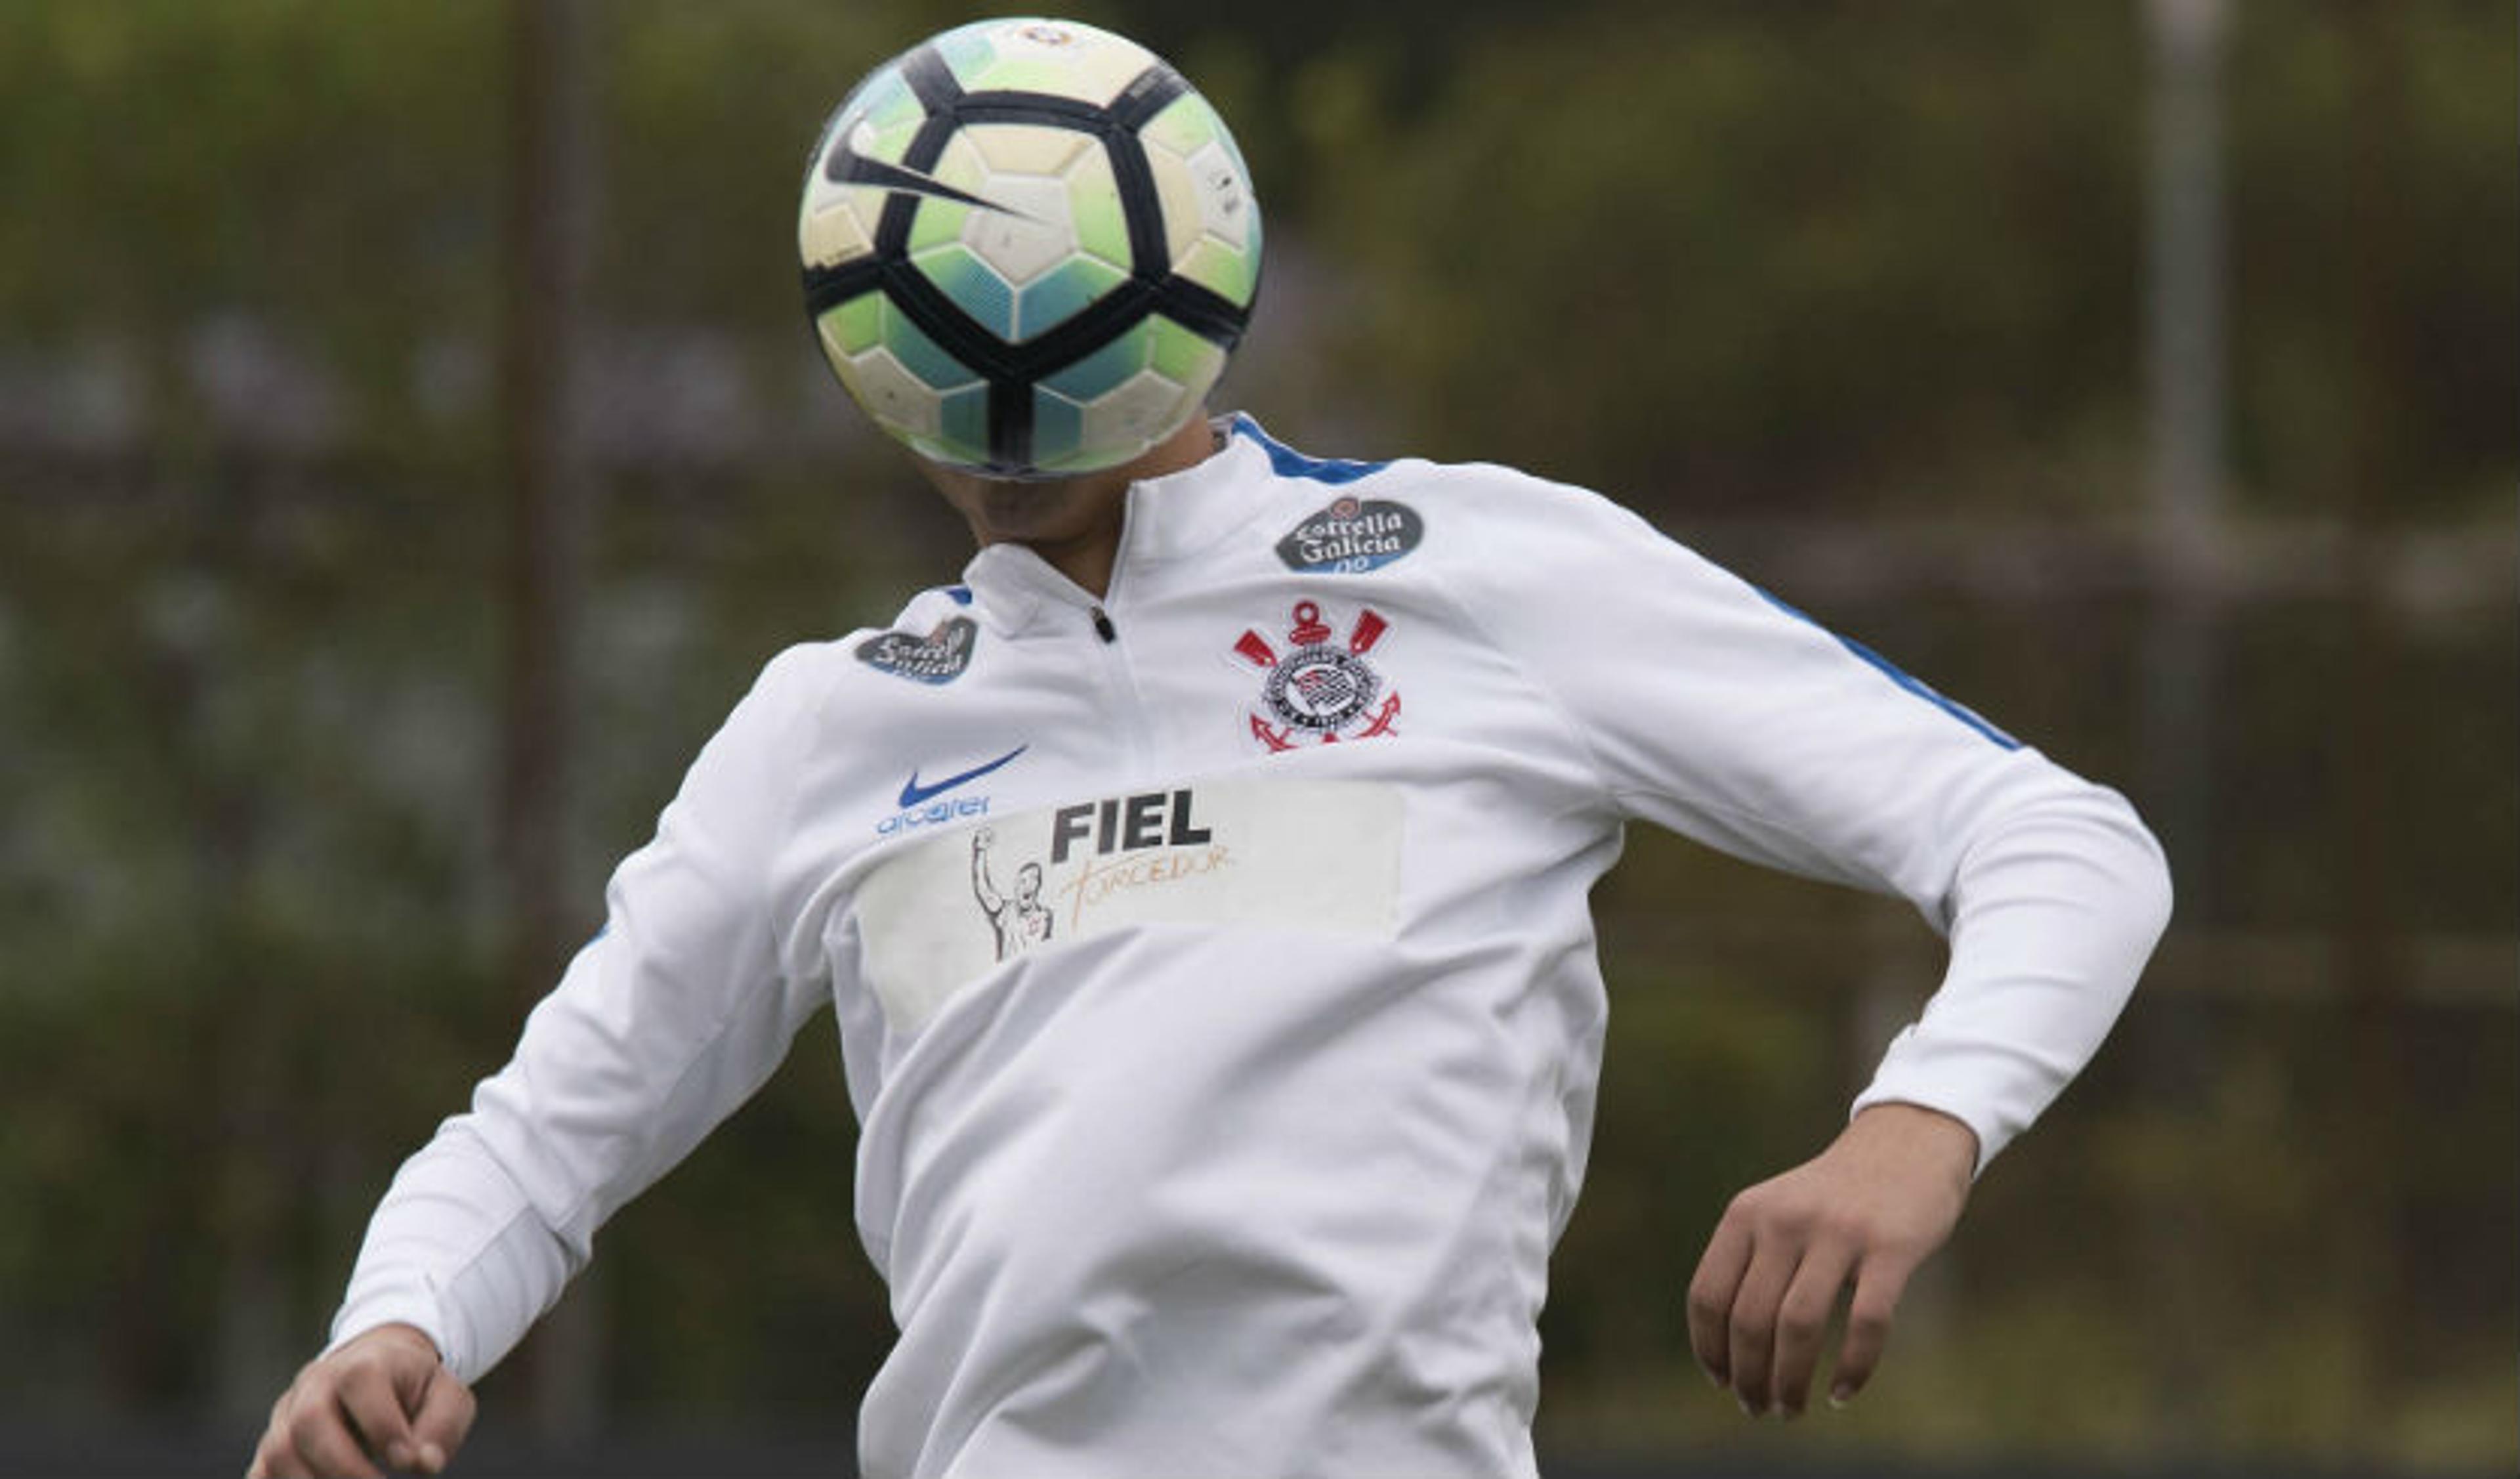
pixel 2142 375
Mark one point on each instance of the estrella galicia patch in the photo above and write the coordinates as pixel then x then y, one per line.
pixel 936 658
pixel 1352 536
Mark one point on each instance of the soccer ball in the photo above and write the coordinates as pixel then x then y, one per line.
pixel 1028 248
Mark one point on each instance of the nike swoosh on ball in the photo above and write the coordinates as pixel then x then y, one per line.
pixel 847 166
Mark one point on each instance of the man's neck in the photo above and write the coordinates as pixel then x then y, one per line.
pixel 1087 556
pixel 1072 523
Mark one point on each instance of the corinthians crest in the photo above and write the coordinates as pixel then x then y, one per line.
pixel 1323 689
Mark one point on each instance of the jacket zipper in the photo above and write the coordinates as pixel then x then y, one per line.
pixel 1115 660
pixel 1124 690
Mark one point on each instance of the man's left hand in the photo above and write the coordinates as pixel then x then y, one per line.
pixel 1865 1212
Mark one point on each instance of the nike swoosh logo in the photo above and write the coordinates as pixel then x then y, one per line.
pixel 847 166
pixel 912 793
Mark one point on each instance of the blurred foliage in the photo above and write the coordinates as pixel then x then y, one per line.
pixel 1663 289
pixel 1830 262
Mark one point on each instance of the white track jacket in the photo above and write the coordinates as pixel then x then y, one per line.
pixel 1213 970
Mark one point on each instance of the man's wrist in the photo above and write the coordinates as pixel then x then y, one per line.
pixel 396 1324
pixel 1919 1132
pixel 406 1332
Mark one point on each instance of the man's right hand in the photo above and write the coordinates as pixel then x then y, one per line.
pixel 384 1398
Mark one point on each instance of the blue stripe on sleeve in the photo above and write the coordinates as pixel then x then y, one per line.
pixel 1901 677
pixel 1287 462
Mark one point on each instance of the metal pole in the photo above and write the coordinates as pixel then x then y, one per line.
pixel 2367 948
pixel 2185 386
pixel 545 241
pixel 2184 322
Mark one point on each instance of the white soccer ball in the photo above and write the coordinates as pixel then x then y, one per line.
pixel 1028 247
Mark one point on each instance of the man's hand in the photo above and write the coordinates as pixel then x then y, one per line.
pixel 383 1397
pixel 1866 1210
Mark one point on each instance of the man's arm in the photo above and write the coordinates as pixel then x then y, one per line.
pixel 1708 707
pixel 2054 902
pixel 662 1026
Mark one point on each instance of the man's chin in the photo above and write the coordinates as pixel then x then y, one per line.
pixel 1033 513
pixel 1025 510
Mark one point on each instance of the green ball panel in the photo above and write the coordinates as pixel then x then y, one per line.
pixel 936 223
pixel 892 108
pixel 964 422
pixel 1063 467
pixel 1020 74
pixel 931 448
pixel 855 326
pixel 1182 356
pixel 1058 427
pixel 1185 123
pixel 1094 207
pixel 1104 370
pixel 1221 269
pixel 1063 293
pixel 892 140
pixel 966 50
pixel 921 356
pixel 973 286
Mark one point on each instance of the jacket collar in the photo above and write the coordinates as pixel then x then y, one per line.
pixel 1168 518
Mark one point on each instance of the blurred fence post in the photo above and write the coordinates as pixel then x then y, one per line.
pixel 2185 329
pixel 2366 921
pixel 546 234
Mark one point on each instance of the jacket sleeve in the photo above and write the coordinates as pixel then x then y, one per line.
pixel 1714 710
pixel 662 1026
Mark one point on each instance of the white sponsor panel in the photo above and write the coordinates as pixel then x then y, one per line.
pixel 1316 856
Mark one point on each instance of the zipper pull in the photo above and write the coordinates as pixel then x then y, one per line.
pixel 1103 626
